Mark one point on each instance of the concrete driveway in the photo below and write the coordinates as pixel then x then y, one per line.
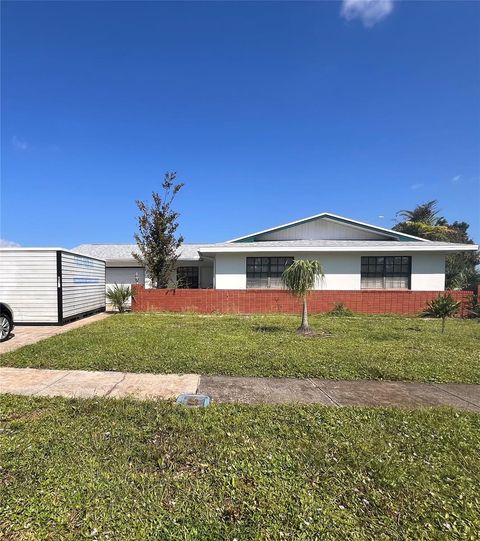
pixel 29 334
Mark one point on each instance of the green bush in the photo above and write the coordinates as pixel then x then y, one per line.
pixel 474 310
pixel 340 310
pixel 118 295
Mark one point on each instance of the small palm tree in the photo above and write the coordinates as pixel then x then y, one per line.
pixel 300 278
pixel 118 295
pixel 442 307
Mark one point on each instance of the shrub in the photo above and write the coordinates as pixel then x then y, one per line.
pixel 118 295
pixel 474 309
pixel 340 310
pixel 442 307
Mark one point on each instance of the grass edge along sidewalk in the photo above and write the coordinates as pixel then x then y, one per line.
pixel 360 347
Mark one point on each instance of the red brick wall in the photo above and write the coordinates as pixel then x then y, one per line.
pixel 261 301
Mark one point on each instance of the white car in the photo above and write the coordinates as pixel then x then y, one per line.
pixel 6 321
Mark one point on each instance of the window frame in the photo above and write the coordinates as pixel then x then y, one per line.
pixel 192 273
pixel 388 268
pixel 266 268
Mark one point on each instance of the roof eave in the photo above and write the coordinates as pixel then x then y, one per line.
pixel 312 249
pixel 132 262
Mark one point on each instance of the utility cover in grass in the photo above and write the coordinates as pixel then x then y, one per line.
pixel 194 400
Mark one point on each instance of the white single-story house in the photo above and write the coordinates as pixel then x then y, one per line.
pixel 353 254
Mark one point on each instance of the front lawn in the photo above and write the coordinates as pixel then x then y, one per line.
pixel 127 470
pixel 361 347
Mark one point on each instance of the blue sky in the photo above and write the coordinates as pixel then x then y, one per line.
pixel 269 112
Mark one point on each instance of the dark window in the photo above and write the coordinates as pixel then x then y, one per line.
pixel 187 277
pixel 266 272
pixel 386 272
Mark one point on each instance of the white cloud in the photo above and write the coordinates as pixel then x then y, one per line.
pixel 19 144
pixel 370 12
pixel 456 179
pixel 4 243
pixel 417 186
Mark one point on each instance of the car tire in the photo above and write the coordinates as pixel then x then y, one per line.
pixel 5 327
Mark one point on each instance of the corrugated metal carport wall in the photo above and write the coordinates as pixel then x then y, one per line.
pixel 47 286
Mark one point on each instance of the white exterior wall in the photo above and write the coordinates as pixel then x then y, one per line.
pixel 230 271
pixel 83 284
pixel 342 270
pixel 28 283
pixel 428 272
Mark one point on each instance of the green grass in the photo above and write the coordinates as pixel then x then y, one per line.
pixel 126 470
pixel 361 347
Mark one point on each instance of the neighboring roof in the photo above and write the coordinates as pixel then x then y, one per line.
pixel 336 218
pixel 123 252
pixel 47 249
pixel 32 249
pixel 336 246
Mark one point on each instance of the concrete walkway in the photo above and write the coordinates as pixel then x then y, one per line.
pixel 340 393
pixel 24 335
pixel 85 384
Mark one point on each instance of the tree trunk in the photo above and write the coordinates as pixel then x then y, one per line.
pixel 304 315
pixel 305 328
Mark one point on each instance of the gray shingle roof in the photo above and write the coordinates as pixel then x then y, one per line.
pixel 191 252
pixel 119 252
pixel 326 244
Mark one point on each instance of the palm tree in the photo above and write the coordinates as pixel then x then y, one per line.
pixel 119 295
pixel 425 213
pixel 443 306
pixel 300 278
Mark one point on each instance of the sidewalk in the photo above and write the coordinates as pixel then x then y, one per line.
pixel 85 384
pixel 340 393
